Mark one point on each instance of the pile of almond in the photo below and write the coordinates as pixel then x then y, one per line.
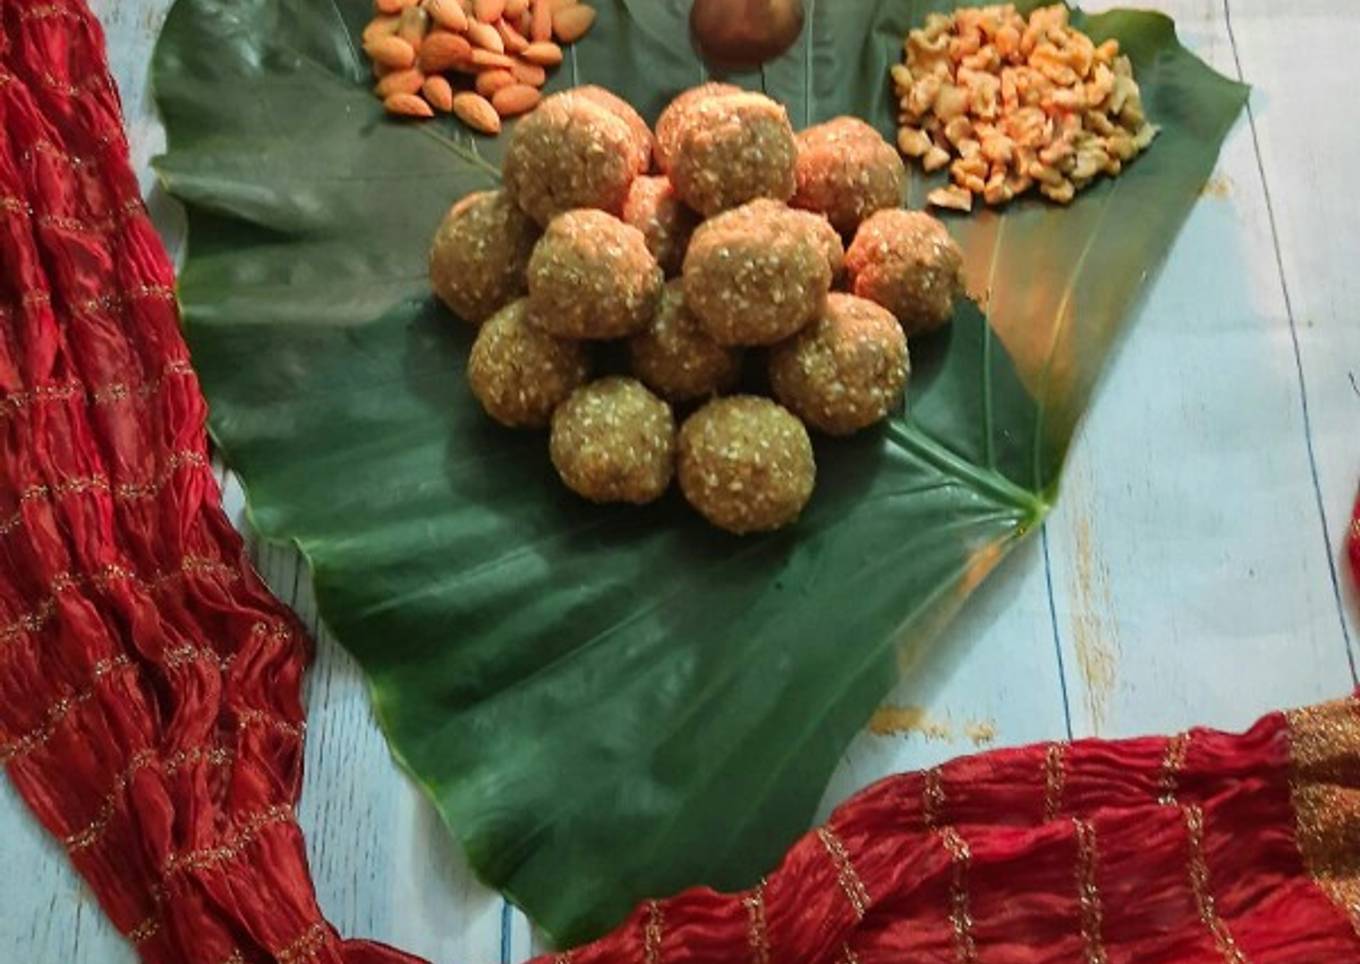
pixel 1010 103
pixel 481 60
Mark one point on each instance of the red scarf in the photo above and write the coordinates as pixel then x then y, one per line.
pixel 149 683
pixel 1205 847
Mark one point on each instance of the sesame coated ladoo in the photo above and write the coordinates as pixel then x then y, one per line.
pixel 745 464
pixel 520 373
pixel 591 276
pixel 666 223
pixel 571 152
pixel 732 149
pixel 847 171
pixel 676 358
pixel 755 275
pixel 614 441
pixel 479 255
pixel 907 262
pixel 846 370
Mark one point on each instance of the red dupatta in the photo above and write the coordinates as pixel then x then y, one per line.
pixel 1201 847
pixel 149 684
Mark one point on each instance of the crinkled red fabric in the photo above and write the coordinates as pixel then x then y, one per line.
pixel 149 684
pixel 1152 850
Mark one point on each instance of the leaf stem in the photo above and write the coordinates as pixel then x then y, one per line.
pixel 992 483
pixel 469 154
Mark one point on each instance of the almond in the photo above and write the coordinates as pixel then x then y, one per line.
pixel 514 8
pixel 571 23
pixel 531 74
pixel 380 27
pixel 540 29
pixel 413 26
pixel 392 52
pixel 408 105
pixel 545 54
pixel 557 5
pixel 515 99
pixel 489 11
pixel 523 23
pixel 441 50
pixel 400 82
pixel 439 92
pixel 514 40
pixel 476 112
pixel 447 14
pixel 485 36
pixel 485 58
pixel 389 6
pixel 490 81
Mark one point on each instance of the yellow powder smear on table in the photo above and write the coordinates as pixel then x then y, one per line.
pixel 980 732
pixel 1093 631
pixel 1218 187
pixel 891 720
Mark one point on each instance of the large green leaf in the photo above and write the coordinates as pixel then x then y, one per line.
pixel 611 703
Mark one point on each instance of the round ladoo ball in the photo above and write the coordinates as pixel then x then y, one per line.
pixel 570 152
pixel 907 262
pixel 614 441
pixel 826 237
pixel 591 276
pixel 672 120
pixel 755 275
pixel 846 370
pixel 654 209
pixel 479 255
pixel 676 358
pixel 816 226
pixel 519 373
pixel 746 464
pixel 620 108
pixel 809 222
pixel 847 171
pixel 732 149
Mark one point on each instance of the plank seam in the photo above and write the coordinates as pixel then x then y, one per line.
pixel 1298 357
pixel 1057 637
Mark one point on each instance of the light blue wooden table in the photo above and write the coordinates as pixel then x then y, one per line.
pixel 1191 573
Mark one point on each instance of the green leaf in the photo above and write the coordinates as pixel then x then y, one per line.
pixel 607 704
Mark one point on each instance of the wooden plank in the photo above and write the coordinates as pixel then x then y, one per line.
pixel 1308 156
pixel 383 864
pixel 990 680
pixel 1192 583
pixel 49 914
pixel 130 30
pixel 1191 580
